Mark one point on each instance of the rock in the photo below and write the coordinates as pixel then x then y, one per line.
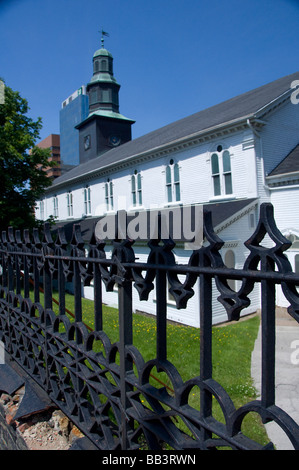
pixel 47 430
pixel 75 434
pixel 60 422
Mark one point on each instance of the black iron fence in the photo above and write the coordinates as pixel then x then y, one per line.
pixel 106 389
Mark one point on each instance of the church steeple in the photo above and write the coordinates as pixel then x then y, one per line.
pixel 103 88
pixel 104 127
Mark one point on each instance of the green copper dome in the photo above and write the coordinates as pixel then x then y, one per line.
pixel 103 77
pixel 102 52
pixel 103 88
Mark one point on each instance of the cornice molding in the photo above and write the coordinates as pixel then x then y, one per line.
pixel 164 150
pixel 283 180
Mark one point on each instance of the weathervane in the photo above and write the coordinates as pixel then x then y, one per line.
pixel 103 33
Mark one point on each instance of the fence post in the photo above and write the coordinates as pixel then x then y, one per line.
pixel 161 286
pixel 268 336
pixel 89 386
pixel 125 338
pixel 98 313
pixel 205 347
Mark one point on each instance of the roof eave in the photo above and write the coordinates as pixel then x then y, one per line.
pixel 103 116
pixel 196 137
pixel 273 104
pixel 240 213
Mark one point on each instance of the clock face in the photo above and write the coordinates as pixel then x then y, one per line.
pixel 114 140
pixel 87 142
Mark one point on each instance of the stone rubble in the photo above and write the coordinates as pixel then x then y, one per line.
pixel 47 430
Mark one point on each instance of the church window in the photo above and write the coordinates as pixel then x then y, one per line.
pixel 221 172
pixel 87 142
pixel 69 203
pixel 297 269
pixel 115 97
pixel 136 189
pixel 109 195
pixel 227 172
pixel 55 206
pixel 173 182
pixel 294 240
pixel 104 67
pixel 230 261
pixel 93 97
pixel 87 200
pixel 42 209
pixel 216 174
pixel 251 220
pixel 105 96
pixel 96 66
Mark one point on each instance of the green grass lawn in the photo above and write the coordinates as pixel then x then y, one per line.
pixel 232 347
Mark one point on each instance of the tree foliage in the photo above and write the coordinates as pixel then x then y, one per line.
pixel 22 165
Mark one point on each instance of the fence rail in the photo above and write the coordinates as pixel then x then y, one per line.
pixel 109 394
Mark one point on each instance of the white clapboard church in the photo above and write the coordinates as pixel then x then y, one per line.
pixel 230 158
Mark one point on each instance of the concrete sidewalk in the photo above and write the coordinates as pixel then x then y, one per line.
pixel 287 374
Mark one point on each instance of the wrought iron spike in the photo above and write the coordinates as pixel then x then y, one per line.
pixel 11 236
pixel 61 238
pixel 18 238
pixel 267 225
pixel 77 239
pixel 26 237
pixel 208 231
pixel 47 236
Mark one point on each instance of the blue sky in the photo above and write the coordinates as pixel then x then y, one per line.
pixel 171 57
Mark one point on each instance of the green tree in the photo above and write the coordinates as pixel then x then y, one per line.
pixel 22 165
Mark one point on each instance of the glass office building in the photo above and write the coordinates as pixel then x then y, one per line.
pixel 73 111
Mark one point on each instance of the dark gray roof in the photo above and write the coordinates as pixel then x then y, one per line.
pixel 221 211
pixel 246 105
pixel 289 164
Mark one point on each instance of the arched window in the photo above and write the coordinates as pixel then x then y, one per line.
pixel 295 241
pixel 297 268
pixel 105 95
pixel 42 210
pixel 93 96
pixel 221 172
pixel 168 184
pixel 136 189
pixel 109 195
pixel 230 261
pixel 69 203
pixel 55 206
pixel 227 175
pixel 104 67
pixel 173 189
pixel 216 174
pixel 87 201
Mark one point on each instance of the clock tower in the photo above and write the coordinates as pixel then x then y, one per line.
pixel 105 127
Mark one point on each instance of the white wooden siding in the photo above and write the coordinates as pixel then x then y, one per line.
pixel 280 135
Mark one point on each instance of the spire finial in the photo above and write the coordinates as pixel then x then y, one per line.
pixel 103 33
